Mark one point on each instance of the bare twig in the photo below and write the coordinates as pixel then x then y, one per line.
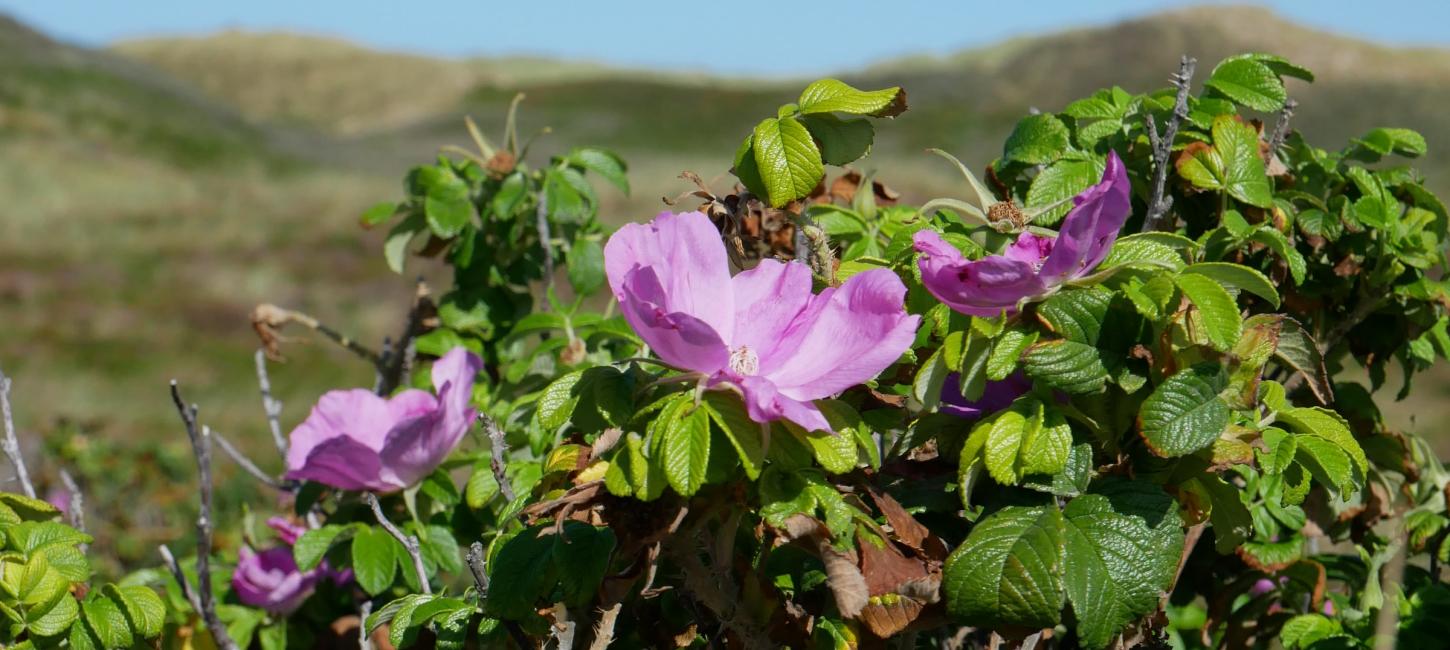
pixel 248 466
pixel 495 456
pixel 408 541
pixel 11 443
pixel 541 216
pixel 474 558
pixel 1281 128
pixel 395 364
pixel 200 437
pixel 77 514
pixel 364 640
pixel 270 405
pixel 1162 144
pixel 186 590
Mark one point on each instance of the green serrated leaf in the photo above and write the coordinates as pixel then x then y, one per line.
pixel 1237 276
pixel 1069 366
pixel 1077 314
pixel 374 559
pixel 1185 414
pixel 686 445
pixel 744 434
pixel 1249 82
pixel 1006 352
pixel 1037 139
pixel 841 141
pixel 788 161
pixel 1114 568
pixel 586 265
pixel 605 163
pixel 1008 571
pixel 1217 313
pixel 581 558
pixel 1059 181
pixel 522 572
pixel 833 96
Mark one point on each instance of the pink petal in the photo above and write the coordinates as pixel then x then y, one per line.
pixel 357 414
pixel 1090 228
pixel 688 258
pixel 861 329
pixel 1030 249
pixel 765 403
pixel 985 287
pixel 345 464
pixel 768 300
pixel 678 338
pixel 286 530
pixel 425 435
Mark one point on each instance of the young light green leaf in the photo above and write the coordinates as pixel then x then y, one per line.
pixel 602 162
pixel 833 96
pixel 1061 180
pixel 686 446
pixel 1217 313
pixel 1249 82
pixel 743 433
pixel 788 161
pixel 1239 277
pixel 374 559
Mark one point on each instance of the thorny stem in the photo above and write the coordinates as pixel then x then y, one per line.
pixel 1281 128
pixel 409 542
pixel 1162 144
pixel 200 437
pixel 11 443
pixel 77 514
pixel 495 456
pixel 270 405
pixel 474 558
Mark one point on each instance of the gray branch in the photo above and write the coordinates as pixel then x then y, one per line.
pixel 186 590
pixel 1158 204
pixel 408 541
pixel 270 405
pixel 77 514
pixel 364 641
pixel 1281 128
pixel 248 466
pixel 474 558
pixel 11 442
pixel 200 437
pixel 541 216
pixel 495 456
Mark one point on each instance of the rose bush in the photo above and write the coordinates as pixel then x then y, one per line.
pixel 1105 403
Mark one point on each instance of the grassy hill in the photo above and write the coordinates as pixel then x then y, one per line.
pixel 155 191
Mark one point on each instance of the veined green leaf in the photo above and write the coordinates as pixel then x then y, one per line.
pixel 788 161
pixel 833 96
pixel 1009 570
pixel 1238 277
pixel 1185 414
pixel 1218 313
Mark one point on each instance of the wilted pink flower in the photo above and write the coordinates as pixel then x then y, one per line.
pixel 763 330
pixel 355 440
pixel 1034 265
pixel 270 579
pixel 995 397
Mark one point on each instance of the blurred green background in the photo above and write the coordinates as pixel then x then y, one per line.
pixel 153 191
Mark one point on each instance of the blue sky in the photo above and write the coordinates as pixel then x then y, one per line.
pixel 725 37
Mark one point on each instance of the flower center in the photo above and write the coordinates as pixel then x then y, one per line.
pixel 743 361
